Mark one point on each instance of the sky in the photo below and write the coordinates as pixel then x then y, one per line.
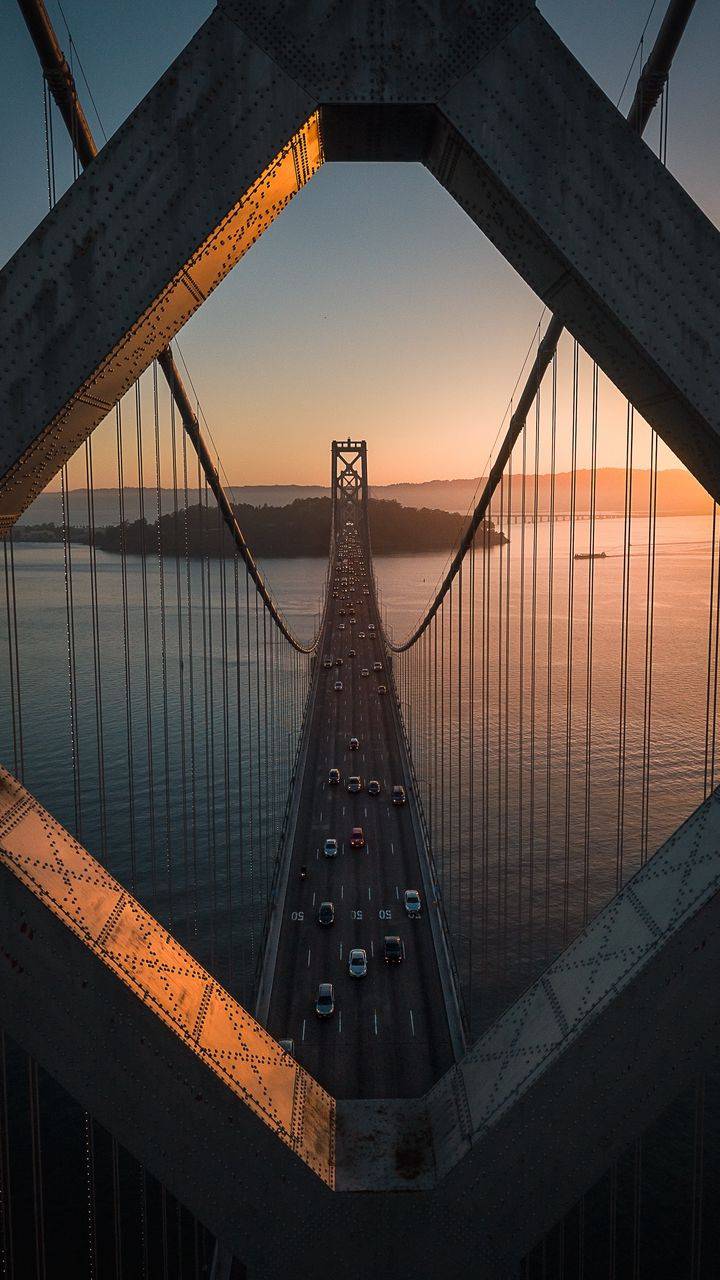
pixel 373 307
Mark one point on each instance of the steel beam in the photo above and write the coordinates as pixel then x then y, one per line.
pixel 548 168
pixel 488 1160
pixel 174 199
pixel 485 93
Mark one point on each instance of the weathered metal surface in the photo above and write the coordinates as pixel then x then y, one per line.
pixel 485 93
pixel 584 211
pixel 489 1158
pixel 176 197
pixel 148 960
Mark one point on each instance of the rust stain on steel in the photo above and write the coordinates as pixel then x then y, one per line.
pixel 143 955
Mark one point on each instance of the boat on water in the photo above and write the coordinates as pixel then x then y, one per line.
pixel 590 555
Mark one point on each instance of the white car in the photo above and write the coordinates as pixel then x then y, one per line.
pixel 338 686
pixel 413 905
pixel 330 847
pixel 377 666
pixel 365 672
pixel 357 962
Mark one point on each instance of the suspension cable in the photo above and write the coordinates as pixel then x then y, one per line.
pixel 650 86
pixel 61 84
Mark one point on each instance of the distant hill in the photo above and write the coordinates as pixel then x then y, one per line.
pixel 302 528
pixel 678 494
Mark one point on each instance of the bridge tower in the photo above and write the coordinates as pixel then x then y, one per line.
pixel 348 481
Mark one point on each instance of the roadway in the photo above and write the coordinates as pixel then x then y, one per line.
pixel 388 1036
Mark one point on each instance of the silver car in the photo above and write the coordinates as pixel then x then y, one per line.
pixel 330 847
pixel 413 904
pixel 357 962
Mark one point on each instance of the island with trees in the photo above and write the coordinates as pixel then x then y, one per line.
pixel 302 528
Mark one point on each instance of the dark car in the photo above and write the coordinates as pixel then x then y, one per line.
pixel 354 744
pixel 334 777
pixel 325 1002
pixel 394 949
pixel 338 662
pixel 373 787
pixel 357 838
pixel 354 784
pixel 351 654
pixel 326 913
pixel 327 662
pixel 377 666
pixel 382 688
pixel 398 795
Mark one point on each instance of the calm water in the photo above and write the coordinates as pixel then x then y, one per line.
pixel 202 742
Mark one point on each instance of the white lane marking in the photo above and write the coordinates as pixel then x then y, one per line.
pixel 321 813
pixel 412 1022
pixel 369 893
pixel 392 847
pixel 308 963
pixel 303 1030
pixel 342 891
pixel 397 893
pixel 339 1021
pixel 313 898
pixel 343 811
pixel 372 948
pixel 375 1018
pixel 366 811
pixel 341 947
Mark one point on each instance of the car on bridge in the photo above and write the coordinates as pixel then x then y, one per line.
pixel 330 847
pixel 325 1002
pixel 326 913
pixel 413 904
pixel 338 662
pixel 398 795
pixel 365 671
pixel 352 653
pixel 357 962
pixel 354 784
pixel 333 777
pixel 354 744
pixel 373 787
pixel 393 949
pixel 382 688
pixel 338 686
pixel 371 626
pixel 327 662
pixel 377 666
pixel 341 626
pixel 361 635
pixel 357 838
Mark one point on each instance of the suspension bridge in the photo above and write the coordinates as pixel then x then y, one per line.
pixel 336 951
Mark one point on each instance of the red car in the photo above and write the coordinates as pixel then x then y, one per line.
pixel 357 838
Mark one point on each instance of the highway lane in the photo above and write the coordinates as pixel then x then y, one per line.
pixel 388 1036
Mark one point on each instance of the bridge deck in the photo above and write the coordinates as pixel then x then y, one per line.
pixel 389 1034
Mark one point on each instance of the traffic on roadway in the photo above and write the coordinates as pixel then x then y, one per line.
pixel 356 994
